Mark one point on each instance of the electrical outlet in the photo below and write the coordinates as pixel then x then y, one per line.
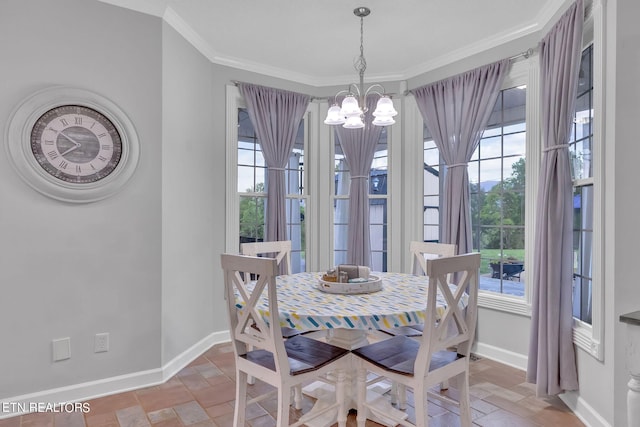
pixel 101 343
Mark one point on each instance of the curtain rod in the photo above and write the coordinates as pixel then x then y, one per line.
pixel 527 53
pixel 311 98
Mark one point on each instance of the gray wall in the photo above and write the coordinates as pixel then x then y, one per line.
pixel 193 171
pixel 88 268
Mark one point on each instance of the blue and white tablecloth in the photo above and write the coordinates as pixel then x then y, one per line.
pixel 302 306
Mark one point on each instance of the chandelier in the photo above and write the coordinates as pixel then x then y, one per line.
pixel 351 114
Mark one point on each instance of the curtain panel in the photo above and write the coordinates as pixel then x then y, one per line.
pixel 276 116
pixel 359 147
pixel 552 360
pixel 456 111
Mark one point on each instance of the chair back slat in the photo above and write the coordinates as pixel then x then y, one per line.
pixel 455 324
pixel 423 251
pixel 247 323
pixel 280 250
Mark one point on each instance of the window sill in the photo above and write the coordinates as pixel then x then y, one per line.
pixel 583 339
pixel 509 304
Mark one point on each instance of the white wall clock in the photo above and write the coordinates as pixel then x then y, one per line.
pixel 72 144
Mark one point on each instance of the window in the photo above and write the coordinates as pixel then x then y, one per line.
pixel 252 191
pixel 497 189
pixel 378 180
pixel 581 154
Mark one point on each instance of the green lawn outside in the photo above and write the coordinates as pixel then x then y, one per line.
pixel 486 255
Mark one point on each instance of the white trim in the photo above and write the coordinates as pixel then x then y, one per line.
pixel 176 364
pixel 583 337
pixel 581 409
pixel 120 383
pixel 590 338
pixel 323 164
pixel 173 19
pixel 413 178
pixel 394 196
pixel 312 120
pixel 503 302
pixel 232 229
pixel 506 357
pixel 533 156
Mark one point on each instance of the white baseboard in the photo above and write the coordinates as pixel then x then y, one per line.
pixel 18 405
pixel 583 410
pixel 180 361
pixel 501 355
pixel 580 408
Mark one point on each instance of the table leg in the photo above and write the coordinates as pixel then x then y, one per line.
pixel 325 393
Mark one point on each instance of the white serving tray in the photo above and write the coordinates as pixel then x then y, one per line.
pixel 374 284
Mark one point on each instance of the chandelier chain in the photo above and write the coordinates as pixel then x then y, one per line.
pixel 352 112
pixel 361 63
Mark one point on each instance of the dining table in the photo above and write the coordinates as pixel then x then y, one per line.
pixel 349 318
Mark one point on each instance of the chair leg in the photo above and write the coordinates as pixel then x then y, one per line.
pixel 421 405
pixel 250 378
pixel 362 397
pixel 465 404
pixel 284 401
pixel 241 399
pixel 297 396
pixel 393 394
pixel 402 396
pixel 341 397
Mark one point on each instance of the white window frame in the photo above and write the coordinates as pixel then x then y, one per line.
pixel 522 72
pixel 234 101
pixel 590 338
pixel 326 191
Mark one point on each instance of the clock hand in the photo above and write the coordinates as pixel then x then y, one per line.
pixel 70 149
pixel 69 138
pixel 75 144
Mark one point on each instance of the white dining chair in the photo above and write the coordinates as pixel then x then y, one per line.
pixel 420 253
pixel 283 364
pixel 422 363
pixel 281 251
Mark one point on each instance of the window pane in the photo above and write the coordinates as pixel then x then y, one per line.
pixel 252 178
pixel 252 219
pixel 581 155
pixel 378 188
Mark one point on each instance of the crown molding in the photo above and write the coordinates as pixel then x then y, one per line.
pixel 149 7
pixel 173 19
pixel 472 49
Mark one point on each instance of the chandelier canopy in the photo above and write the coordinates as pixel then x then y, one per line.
pixel 351 114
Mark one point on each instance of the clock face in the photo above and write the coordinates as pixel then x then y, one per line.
pixel 76 144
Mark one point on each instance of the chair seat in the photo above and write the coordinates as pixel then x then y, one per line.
pixel 398 354
pixel 289 333
pixel 305 355
pixel 407 331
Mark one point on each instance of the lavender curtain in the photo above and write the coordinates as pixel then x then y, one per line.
pixel 275 115
pixel 456 111
pixel 552 364
pixel 359 147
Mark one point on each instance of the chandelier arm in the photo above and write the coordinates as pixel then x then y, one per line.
pixel 335 97
pixel 356 87
pixel 370 89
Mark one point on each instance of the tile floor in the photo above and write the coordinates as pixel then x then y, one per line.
pixel 202 395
